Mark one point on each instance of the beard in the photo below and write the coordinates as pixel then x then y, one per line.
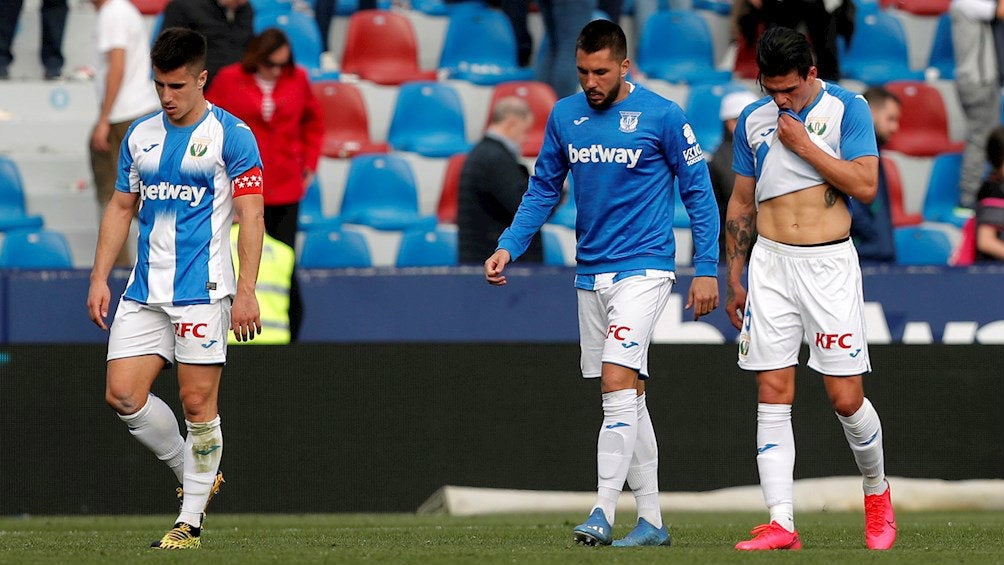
pixel 607 100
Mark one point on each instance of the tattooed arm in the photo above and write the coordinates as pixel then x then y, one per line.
pixel 740 225
pixel 857 178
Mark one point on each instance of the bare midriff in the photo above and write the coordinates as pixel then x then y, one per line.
pixel 809 216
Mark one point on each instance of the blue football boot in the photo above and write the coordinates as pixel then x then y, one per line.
pixel 645 534
pixel 594 531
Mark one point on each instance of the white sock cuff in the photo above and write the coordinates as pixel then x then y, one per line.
pixel 621 399
pixel 198 428
pixel 642 405
pixel 862 416
pixel 142 412
pixel 773 412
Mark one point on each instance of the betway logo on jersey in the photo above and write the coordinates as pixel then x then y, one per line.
pixel 167 191
pixel 599 154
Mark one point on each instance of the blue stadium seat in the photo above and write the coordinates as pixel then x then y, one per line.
pixel 428 248
pixel 480 47
pixel 304 38
pixel 12 210
pixel 35 249
pixel 380 192
pixel 703 104
pixel 429 120
pixel 942 55
pixel 675 46
pixel 922 245
pixel 552 249
pixel 311 214
pixel 564 214
pixel 878 52
pixel 942 196
pixel 722 7
pixel 334 249
pixel 349 7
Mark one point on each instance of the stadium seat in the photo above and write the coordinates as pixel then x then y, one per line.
pixel 304 38
pixel 923 129
pixel 552 248
pixel 675 46
pixel 564 214
pixel 703 104
pixel 541 98
pixel 446 210
pixel 428 248
pixel 480 47
pixel 334 249
pixel 942 196
pixel 380 46
pixel 346 123
pixel 721 7
pixel 878 52
pixel 942 56
pixel 745 66
pixel 923 7
pixel 150 7
pixel 311 213
pixel 35 249
pixel 12 210
pixel 349 7
pixel 429 120
pixel 921 245
pixel 894 182
pixel 380 192
pixel 266 6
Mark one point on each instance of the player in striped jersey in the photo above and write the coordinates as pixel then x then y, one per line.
pixel 624 145
pixel 187 168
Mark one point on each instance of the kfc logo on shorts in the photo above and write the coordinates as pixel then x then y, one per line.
pixel 190 329
pixel 827 341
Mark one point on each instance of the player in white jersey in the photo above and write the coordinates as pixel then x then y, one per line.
pixel 624 145
pixel 799 153
pixel 188 168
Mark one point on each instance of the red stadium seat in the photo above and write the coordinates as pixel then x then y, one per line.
pixel 346 126
pixel 446 212
pixel 150 7
pixel 923 127
pixel 923 7
pixel 380 46
pixel 894 182
pixel 541 98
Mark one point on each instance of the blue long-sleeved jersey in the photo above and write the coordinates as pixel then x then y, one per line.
pixel 623 160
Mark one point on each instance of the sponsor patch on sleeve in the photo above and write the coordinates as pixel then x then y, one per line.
pixel 249 182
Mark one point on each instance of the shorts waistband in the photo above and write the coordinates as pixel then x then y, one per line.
pixel 835 249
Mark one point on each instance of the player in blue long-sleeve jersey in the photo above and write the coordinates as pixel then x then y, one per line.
pixel 623 145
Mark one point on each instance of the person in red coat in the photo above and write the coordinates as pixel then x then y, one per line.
pixel 272 96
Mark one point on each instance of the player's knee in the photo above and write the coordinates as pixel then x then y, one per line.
pixel 122 402
pixel 197 404
pixel 846 406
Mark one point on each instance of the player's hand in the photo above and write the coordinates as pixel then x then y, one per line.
pixel 98 298
pixel 792 133
pixel 703 296
pixel 735 304
pixel 99 137
pixel 245 320
pixel 494 266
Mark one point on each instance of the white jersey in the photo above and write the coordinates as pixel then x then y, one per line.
pixel 186 178
pixel 838 121
pixel 119 25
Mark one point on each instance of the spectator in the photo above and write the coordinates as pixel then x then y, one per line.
pixel 871 224
pixel 990 203
pixel 275 273
pixel 822 20
pixel 273 97
pixel 492 183
pixel 722 175
pixel 977 76
pixel 563 19
pixel 226 24
pixel 53 22
pixel 122 80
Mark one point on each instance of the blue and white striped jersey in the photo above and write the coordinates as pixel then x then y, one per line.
pixel 184 177
pixel 838 121
pixel 623 160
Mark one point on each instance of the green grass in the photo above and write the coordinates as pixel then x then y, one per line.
pixel 698 538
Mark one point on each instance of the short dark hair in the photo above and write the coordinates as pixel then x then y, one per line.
pixel 603 34
pixel 781 50
pixel 261 47
pixel 178 47
pixel 995 148
pixel 878 96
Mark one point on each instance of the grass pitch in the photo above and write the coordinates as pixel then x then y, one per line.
pixel 698 538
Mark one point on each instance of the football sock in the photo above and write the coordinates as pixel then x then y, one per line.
pixel 864 434
pixel 156 427
pixel 775 461
pixel 643 475
pixel 205 448
pixel 615 446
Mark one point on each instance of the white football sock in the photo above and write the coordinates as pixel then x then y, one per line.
pixel 204 447
pixel 864 434
pixel 643 475
pixel 615 446
pixel 156 427
pixel 775 460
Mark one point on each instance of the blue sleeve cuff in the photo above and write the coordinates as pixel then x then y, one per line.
pixel 706 269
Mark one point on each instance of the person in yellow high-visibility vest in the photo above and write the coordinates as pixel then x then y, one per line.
pixel 275 272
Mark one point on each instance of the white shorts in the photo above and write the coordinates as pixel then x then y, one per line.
pixel 617 318
pixel 195 334
pixel 811 293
